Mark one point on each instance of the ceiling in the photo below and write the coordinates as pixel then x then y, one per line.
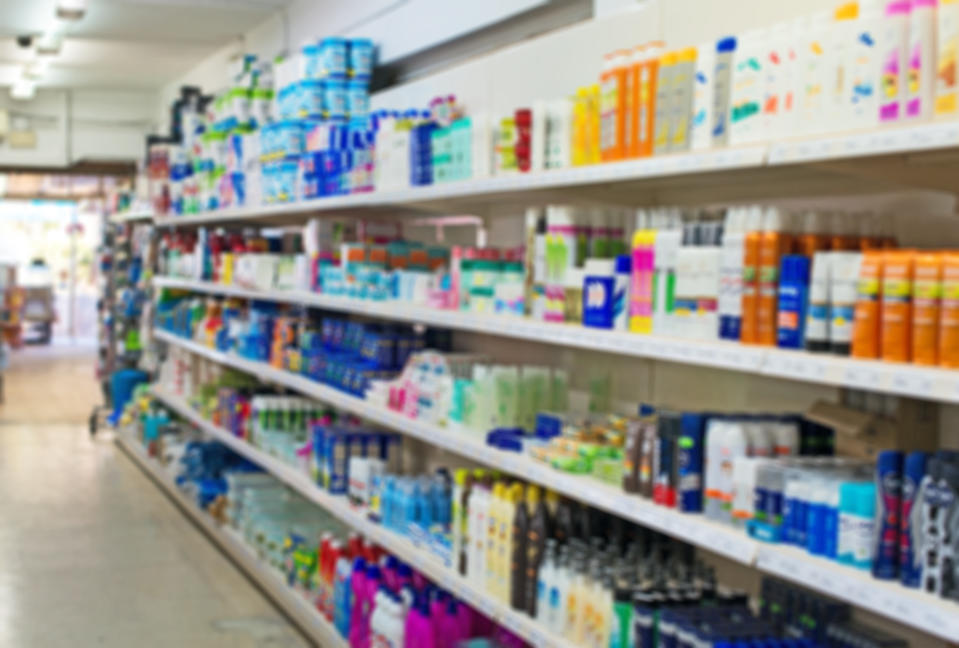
pixel 125 43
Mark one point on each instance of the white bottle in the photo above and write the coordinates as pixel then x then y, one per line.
pixel 814 74
pixel 716 431
pixel 863 81
pixel 947 58
pixel 730 303
pixel 559 592
pixel 745 101
pixel 894 40
pixel 735 445
pixel 779 69
pixel 760 443
pixel 841 36
pixel 380 620
pixel 702 122
pixel 744 488
pixel 786 435
pixel 545 581
pixel 921 77
pixel 669 238
pixel 477 510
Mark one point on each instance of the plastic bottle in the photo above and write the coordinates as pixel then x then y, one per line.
pixel 927 296
pixel 664 94
pixel 776 242
pixel 750 284
pixel 865 340
pixel 949 312
pixel 647 77
pixel 895 61
pixel 716 429
pixel 643 269
pixel 722 88
pixel 665 250
pixel 843 36
pixel 793 296
pixel 702 121
pixel 746 118
pixel 843 294
pixel 921 82
pixel 681 103
pixel 814 77
pixel 896 310
pixel 478 509
pixel 947 58
pixel 731 274
pixel 817 317
pixel 462 484
pixel 539 531
pixel 519 538
pixel 418 629
pixel 342 595
pixel 494 518
pixel 744 486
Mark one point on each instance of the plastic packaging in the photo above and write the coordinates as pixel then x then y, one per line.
pixel 895 60
pixel 865 340
pixel 921 80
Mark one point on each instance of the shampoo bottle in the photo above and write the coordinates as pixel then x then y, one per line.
pixel 921 80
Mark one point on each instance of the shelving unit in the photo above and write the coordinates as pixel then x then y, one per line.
pixel 817 368
pixel 356 518
pixel 295 606
pixel 901 157
pixel 907 606
pixel 138 216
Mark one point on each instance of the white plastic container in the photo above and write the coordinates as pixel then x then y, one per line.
pixel 921 79
pixel 814 73
pixel 779 70
pixel 702 120
pixel 745 101
pixel 947 58
pixel 894 41
pixel 864 68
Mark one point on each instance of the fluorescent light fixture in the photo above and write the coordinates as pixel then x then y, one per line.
pixel 71 9
pixel 23 90
pixel 49 43
pixel 36 68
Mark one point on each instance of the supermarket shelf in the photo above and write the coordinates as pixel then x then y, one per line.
pixel 144 216
pixel 340 507
pixel 892 378
pixel 884 159
pixel 907 606
pixel 306 617
pixel 693 529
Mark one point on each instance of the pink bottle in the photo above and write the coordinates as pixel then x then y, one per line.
pixel 363 603
pixel 419 626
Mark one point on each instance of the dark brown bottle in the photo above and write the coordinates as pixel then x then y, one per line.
pixel 517 566
pixel 539 531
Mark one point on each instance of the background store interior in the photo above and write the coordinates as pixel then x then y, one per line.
pixel 82 193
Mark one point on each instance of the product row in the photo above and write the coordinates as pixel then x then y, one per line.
pixel 823 282
pixel 305 130
pixel 772 475
pixel 580 574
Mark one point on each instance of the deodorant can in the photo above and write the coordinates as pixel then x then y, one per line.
pixel 690 449
pixel 914 469
pixel 888 502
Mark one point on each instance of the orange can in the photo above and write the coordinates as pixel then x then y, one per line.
pixel 865 328
pixel 896 312
pixel 926 298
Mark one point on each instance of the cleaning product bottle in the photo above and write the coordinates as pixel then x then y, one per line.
pixel 750 285
pixel 895 60
pixel 776 242
pixel 731 274
pixel 517 550
pixel 865 334
pixel 536 538
pixel 418 628
pixel 342 595
pixel 896 307
pixel 643 268
pixel 927 295
pixel 921 79
pixel 947 58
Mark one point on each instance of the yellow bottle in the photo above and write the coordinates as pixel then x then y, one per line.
pixel 492 536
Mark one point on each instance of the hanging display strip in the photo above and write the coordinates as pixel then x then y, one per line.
pixel 297 607
pixel 887 377
pixel 905 605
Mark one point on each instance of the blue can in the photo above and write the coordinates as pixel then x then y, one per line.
pixel 793 300
pixel 888 504
pixel 914 470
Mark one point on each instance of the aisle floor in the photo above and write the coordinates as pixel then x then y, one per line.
pixel 92 553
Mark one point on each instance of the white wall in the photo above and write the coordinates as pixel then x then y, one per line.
pixel 102 125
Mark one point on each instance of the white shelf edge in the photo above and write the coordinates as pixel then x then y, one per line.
pixel 132 217
pixel 904 605
pixel 818 368
pixel 340 507
pixel 307 618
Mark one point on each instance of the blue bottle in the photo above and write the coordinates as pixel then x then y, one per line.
pixel 888 504
pixel 793 300
pixel 690 496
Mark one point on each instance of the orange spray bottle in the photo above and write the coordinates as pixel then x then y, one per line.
pixel 926 298
pixel 753 228
pixel 895 329
pixel 776 242
pixel 865 328
pixel 949 312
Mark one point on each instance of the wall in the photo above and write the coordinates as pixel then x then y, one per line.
pixel 73 125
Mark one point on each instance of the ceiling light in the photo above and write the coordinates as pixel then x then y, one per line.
pixel 71 9
pixel 36 69
pixel 49 43
pixel 23 90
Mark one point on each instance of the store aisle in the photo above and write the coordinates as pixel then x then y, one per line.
pixel 93 554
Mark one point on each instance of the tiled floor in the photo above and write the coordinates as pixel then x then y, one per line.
pixel 91 552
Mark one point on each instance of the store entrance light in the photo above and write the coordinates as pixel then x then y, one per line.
pixel 71 9
pixel 23 90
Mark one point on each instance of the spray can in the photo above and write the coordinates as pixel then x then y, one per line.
pixel 888 502
pixel 914 469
